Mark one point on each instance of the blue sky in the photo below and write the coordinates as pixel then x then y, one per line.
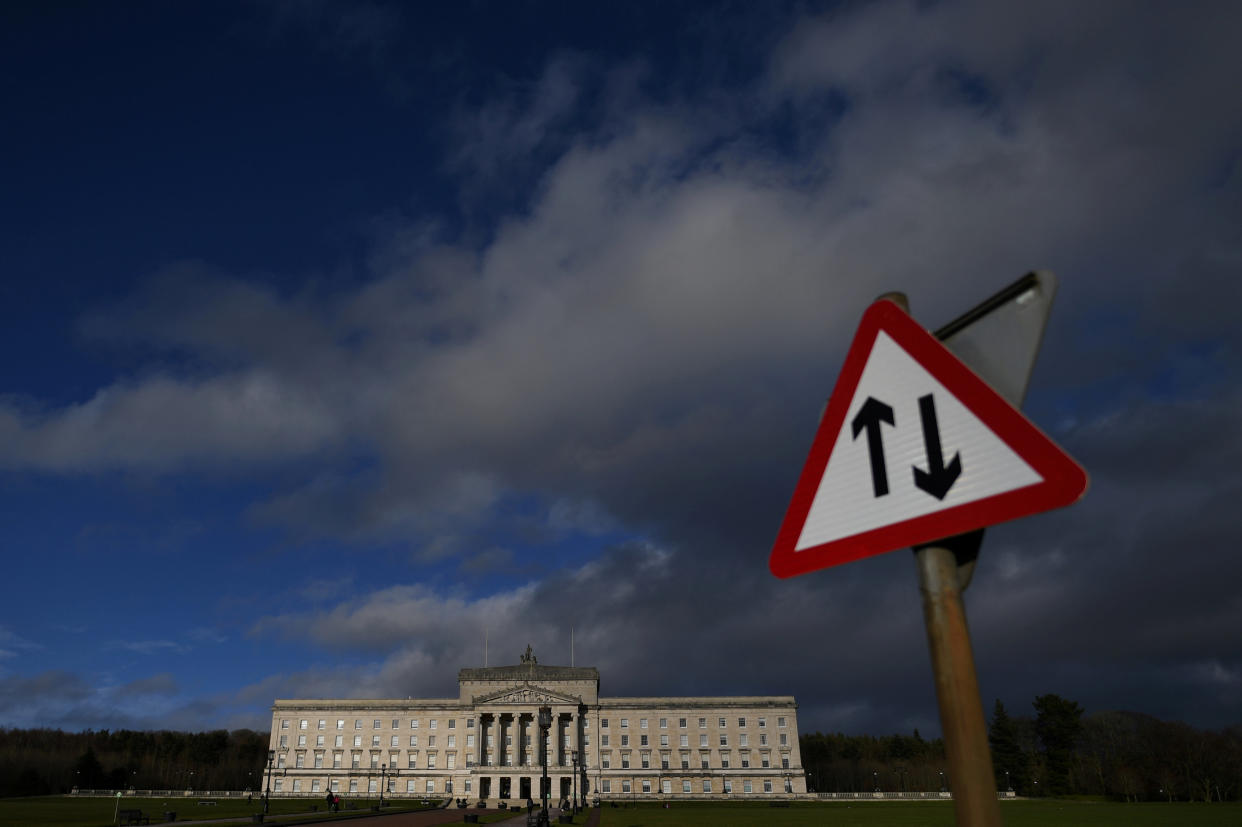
pixel 338 333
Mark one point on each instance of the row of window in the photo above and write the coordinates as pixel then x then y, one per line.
pixel 415 786
pixel 450 741
pixel 376 723
pixel 684 740
pixel 683 722
pixel 727 785
pixel 726 761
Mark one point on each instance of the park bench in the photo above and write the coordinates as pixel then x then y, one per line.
pixel 206 803
pixel 132 817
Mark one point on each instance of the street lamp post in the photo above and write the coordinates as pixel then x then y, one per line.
pixel 875 779
pixel 545 721
pixel 1008 785
pixel 943 788
pixel 267 794
pixel 573 758
pixel 383 782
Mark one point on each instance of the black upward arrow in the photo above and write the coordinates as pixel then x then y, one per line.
pixel 869 416
pixel 937 479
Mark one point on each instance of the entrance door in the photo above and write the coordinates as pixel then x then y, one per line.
pixel 566 788
pixel 504 786
pixel 485 787
pixel 524 789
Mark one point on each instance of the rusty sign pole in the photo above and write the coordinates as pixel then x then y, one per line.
pixel 957 684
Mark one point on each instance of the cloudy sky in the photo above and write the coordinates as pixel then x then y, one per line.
pixel 338 335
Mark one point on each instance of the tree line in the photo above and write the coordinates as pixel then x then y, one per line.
pixel 1057 751
pixel 46 761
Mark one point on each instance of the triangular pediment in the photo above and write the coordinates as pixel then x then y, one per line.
pixel 527 693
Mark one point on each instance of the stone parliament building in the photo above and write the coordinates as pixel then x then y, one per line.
pixel 484 744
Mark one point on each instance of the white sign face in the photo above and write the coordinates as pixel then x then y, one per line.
pixel 902 421
pixel 913 447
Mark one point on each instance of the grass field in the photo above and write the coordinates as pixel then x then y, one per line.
pixel 926 814
pixel 64 811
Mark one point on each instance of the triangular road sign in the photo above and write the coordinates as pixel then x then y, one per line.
pixel 914 447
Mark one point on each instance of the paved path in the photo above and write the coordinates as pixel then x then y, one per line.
pixel 426 818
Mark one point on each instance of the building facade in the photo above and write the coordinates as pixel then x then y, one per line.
pixel 485 744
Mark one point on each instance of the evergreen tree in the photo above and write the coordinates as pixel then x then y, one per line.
pixel 1008 761
pixel 1058 722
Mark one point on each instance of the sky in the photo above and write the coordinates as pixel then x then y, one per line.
pixel 343 337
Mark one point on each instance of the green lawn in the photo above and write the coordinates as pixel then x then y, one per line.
pixel 68 811
pixel 925 814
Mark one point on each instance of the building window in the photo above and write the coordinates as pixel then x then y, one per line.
pixel 685 787
pixel 301 740
pixel 724 761
pixel 702 739
pixel 413 723
pixel 315 785
pixel 666 786
pixel 278 783
pixel 372 786
pixel 741 722
pixel 646 760
pixel 625 723
pixel 707 785
pixel 431 786
pixel 357 740
pixel 603 722
pixel 469 785
pixel 452 723
pixel 721 722
pixel 322 723
pixel 301 762
pixel 643 742
pixel 747 786
pixel 431 761
pixel 431 740
pixel 374 740
pixel 745 760
pixel 452 740
pixel 336 760
pixel 340 741
pixel 353 786
pixel 284 741
pixel 470 740
pixel 375 760
pixel 432 723
pixel 452 761
pixel 335 785
pixel 340 723
pixel 685 760
pixel 625 760
pixel 763 739
pixel 744 740
pixel 607 761
pixel 319 760
pixel 413 740
pixel 681 723
pixel 409 786
pixel 780 722
pixel 413 759
pixel 393 757
pixel 319 740
pixel 763 722
pixel 642 724
pixel 375 724
pixel 784 739
pixel 603 740
pixel 728 786
pixel 724 740
pixel 646 786
pixel 664 761
pixel 302 724
pixel 284 724
pixel 354 761
pixel 281 762
pixel 625 786
pixel 395 742
pixel 767 786
pixel 357 723
pixel 784 762
pixel 685 740
pixel 297 785
pixel 395 723
pixel 664 740
pixel 763 761
pixel 664 723
pixel 606 785
pixel 702 723
pixel 625 740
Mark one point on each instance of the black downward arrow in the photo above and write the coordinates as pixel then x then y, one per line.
pixel 869 416
pixel 937 479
